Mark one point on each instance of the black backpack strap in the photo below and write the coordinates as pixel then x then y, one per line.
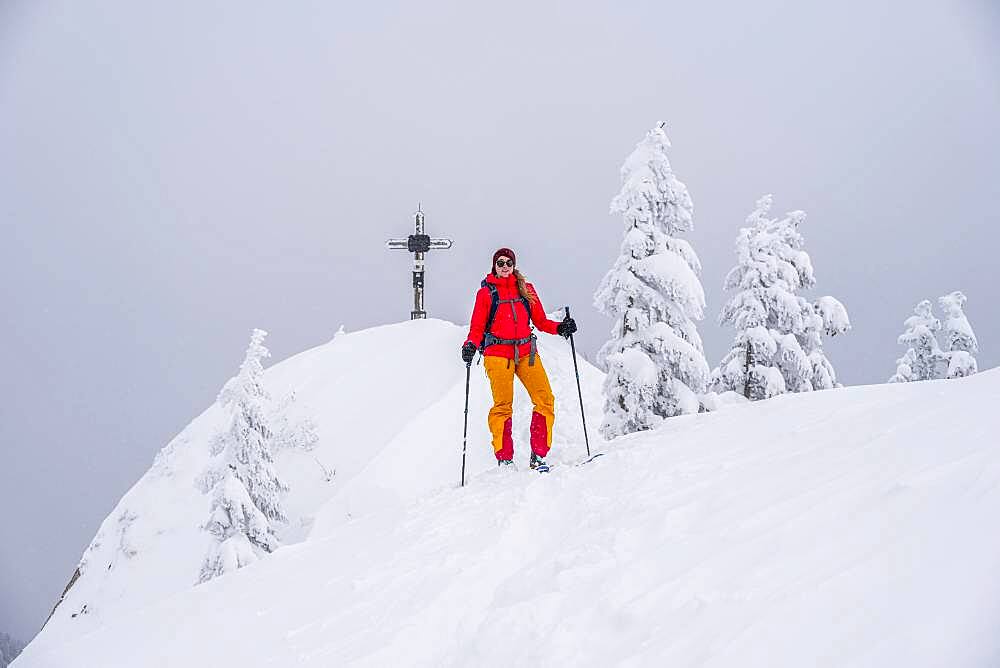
pixel 494 305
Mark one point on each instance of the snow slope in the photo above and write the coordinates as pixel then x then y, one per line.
pixel 852 527
pixel 388 403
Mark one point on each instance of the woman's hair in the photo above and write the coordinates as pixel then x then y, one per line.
pixel 522 287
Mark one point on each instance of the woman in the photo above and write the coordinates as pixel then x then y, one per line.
pixel 506 305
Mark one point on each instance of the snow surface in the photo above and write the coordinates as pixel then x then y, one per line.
pixel 852 527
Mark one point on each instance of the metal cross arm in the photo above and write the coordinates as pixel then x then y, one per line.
pixel 419 243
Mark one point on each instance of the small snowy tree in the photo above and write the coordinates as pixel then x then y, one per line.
pixel 959 341
pixel 656 366
pixel 923 357
pixel 292 434
pixel 904 368
pixel 779 334
pixel 245 485
pixel 927 358
pixel 9 649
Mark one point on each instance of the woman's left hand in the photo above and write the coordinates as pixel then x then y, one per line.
pixel 566 328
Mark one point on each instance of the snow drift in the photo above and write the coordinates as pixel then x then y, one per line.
pixel 851 527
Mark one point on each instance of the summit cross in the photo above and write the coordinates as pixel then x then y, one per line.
pixel 418 243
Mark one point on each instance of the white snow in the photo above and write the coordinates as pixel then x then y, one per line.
pixel 834 314
pixel 852 527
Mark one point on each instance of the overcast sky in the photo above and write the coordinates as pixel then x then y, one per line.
pixel 173 174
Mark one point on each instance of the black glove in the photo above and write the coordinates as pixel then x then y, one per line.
pixel 468 352
pixel 566 328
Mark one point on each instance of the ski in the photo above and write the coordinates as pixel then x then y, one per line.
pixel 545 468
pixel 591 458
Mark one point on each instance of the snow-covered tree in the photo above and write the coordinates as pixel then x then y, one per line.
pixel 959 342
pixel 829 318
pixel 926 357
pixel 9 649
pixel 923 357
pixel 778 346
pixel 904 368
pixel 288 433
pixel 246 488
pixel 656 366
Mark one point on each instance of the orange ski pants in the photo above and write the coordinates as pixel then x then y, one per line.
pixel 501 372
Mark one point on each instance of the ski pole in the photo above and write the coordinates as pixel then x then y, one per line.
pixel 465 431
pixel 578 390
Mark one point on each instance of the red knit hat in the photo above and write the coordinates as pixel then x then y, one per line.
pixel 503 252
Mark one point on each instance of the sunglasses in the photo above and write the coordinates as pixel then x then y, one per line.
pixel 505 263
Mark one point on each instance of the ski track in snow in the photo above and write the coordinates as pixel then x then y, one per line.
pixel 851 527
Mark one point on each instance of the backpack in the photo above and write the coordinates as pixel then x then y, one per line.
pixel 489 338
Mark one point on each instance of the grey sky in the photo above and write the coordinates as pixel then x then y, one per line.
pixel 174 174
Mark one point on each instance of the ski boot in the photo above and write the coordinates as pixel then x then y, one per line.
pixel 538 464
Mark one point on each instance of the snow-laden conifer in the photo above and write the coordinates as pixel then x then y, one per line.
pixel 656 366
pixel 927 357
pixel 289 433
pixel 246 490
pixel 10 648
pixel 778 345
pixel 959 343
pixel 904 368
pixel 923 357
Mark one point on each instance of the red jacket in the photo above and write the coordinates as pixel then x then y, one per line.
pixel 504 324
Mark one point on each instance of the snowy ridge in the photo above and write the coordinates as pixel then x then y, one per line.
pixel 388 406
pixel 850 527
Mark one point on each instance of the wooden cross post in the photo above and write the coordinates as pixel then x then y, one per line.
pixel 418 243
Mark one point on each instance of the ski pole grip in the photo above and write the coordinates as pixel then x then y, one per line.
pixel 567 311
